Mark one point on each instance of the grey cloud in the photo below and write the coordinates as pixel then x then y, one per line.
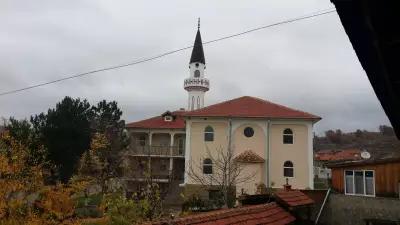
pixel 309 65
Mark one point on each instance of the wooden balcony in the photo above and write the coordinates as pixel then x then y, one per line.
pixel 156 151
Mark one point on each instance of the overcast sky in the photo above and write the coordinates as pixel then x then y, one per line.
pixel 309 65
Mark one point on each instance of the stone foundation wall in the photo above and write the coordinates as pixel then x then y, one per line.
pixel 353 210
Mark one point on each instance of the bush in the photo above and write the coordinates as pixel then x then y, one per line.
pixel 196 204
pixel 88 212
pixel 122 211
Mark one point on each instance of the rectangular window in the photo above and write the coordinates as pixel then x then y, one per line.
pixel 349 182
pixel 207 169
pixel 369 183
pixel 208 136
pixel 287 139
pixel 359 182
pixel 288 171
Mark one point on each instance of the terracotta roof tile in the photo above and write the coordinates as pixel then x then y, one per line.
pixel 267 214
pixel 293 198
pixel 249 156
pixel 251 107
pixel 159 122
pixel 338 154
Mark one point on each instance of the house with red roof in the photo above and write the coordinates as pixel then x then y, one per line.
pixel 270 141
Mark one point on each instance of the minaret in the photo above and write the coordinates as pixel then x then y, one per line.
pixel 196 85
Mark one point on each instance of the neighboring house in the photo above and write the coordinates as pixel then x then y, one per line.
pixel 376 176
pixel 157 143
pixel 322 157
pixel 270 140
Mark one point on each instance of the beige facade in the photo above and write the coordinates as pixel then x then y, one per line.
pixel 266 142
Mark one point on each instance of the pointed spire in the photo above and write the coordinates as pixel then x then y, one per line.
pixel 198 24
pixel 197 52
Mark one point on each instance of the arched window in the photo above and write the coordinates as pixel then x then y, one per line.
pixel 197 73
pixel 207 166
pixel 288 136
pixel 288 169
pixel 192 107
pixel 198 102
pixel 208 134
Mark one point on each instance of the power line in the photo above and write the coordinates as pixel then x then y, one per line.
pixel 315 14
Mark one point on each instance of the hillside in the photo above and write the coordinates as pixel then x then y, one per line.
pixel 383 141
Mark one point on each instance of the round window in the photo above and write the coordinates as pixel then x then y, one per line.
pixel 248 132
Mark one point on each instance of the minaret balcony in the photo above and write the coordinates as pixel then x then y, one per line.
pixel 196 84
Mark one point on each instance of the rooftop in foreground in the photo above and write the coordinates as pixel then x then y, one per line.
pixel 266 214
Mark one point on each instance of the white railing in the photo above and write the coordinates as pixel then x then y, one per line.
pixel 156 150
pixel 196 82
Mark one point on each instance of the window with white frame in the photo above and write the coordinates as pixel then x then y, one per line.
pixel 287 136
pixel 168 118
pixel 359 182
pixel 288 170
pixel 207 166
pixel 208 134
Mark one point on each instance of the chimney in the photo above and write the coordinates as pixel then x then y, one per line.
pixel 287 186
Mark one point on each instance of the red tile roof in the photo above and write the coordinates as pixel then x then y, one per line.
pixel 251 107
pixel 259 214
pixel 159 122
pixel 338 155
pixel 249 156
pixel 293 198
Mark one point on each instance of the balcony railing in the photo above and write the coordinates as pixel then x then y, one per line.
pixel 196 83
pixel 156 177
pixel 155 150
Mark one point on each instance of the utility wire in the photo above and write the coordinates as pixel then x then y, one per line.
pixel 315 14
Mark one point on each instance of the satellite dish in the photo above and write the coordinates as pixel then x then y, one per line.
pixel 365 155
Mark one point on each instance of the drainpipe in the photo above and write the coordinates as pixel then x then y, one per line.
pixel 268 152
pixel 230 154
pixel 230 135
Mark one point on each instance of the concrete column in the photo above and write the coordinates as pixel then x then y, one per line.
pixel 171 159
pixel 150 150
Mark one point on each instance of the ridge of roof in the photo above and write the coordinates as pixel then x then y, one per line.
pixel 202 111
pixel 293 198
pixel 249 156
pixel 269 213
pixel 158 121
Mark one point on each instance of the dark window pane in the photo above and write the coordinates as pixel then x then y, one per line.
pixel 287 131
pixel 248 132
pixel 369 174
pixel 359 182
pixel 288 139
pixel 369 186
pixel 207 161
pixel 197 73
pixel 288 164
pixel 209 129
pixel 349 183
pixel 349 172
pixel 207 169
pixel 288 172
pixel 208 136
